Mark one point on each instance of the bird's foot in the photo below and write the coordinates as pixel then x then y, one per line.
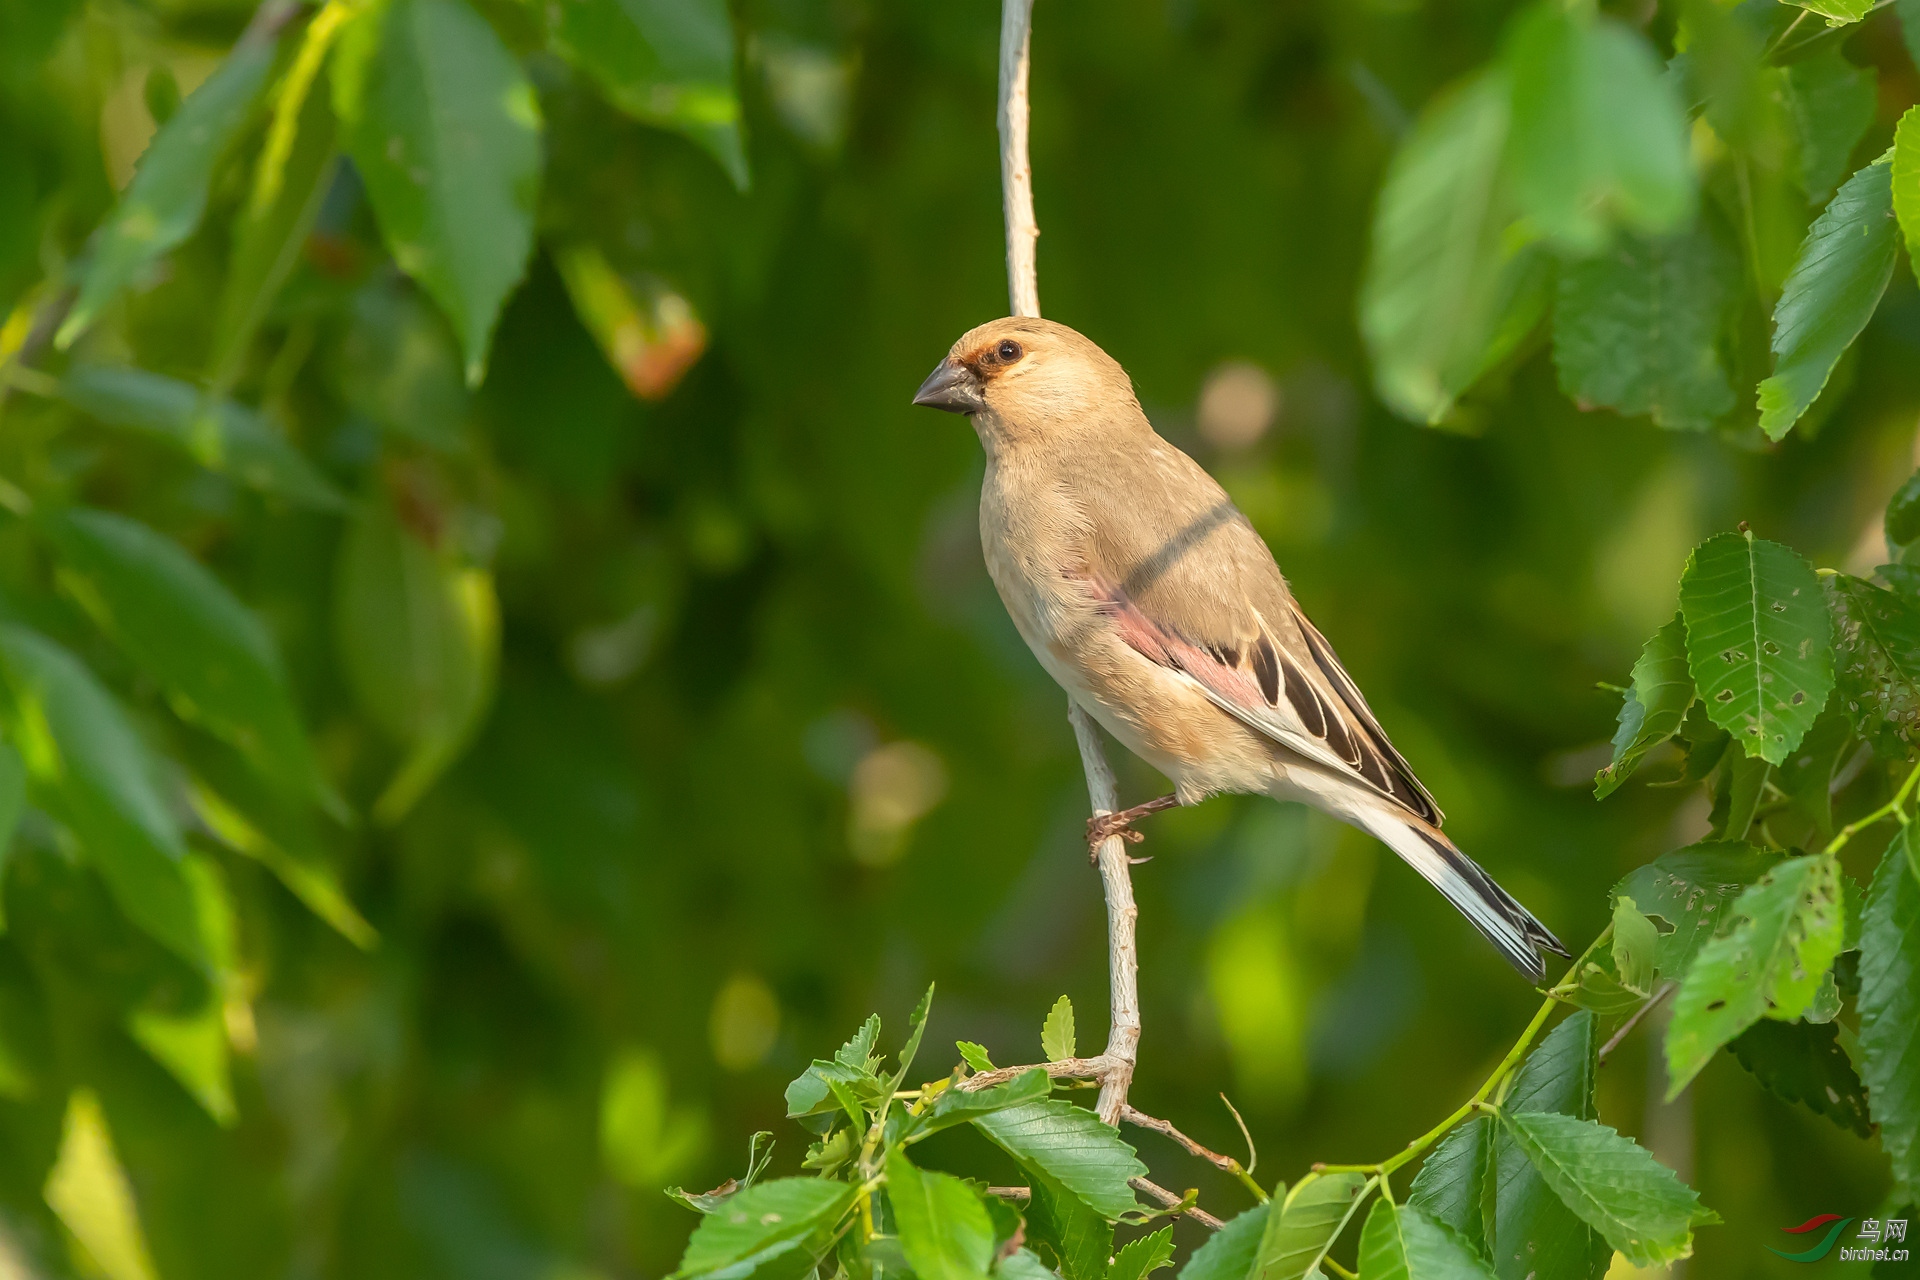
pixel 1104 826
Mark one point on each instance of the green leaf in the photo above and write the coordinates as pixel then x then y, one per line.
pixel 811 1092
pixel 1788 929
pixel 1838 13
pixel 13 803
pixel 916 1027
pixel 168 194
pixel 1078 1239
pixel 1056 1035
pixel 1599 138
pixel 292 852
pixel 1642 1209
pixel 90 768
pixel 218 434
pixel 1804 1063
pixel 1654 706
pixel 1736 795
pixel 1693 889
pixel 974 1055
pixel 1070 1145
pixel 268 241
pixel 1889 1003
pixel 1876 659
pixel 1534 1232
pixel 1600 989
pixel 668 62
pixel 1638 328
pixel 181 626
pixel 1909 12
pixel 1404 1243
pixel 417 630
pixel 191 1042
pixel 956 1106
pixel 1837 279
pixel 944 1229
pixel 1453 1184
pixel 1757 641
pixel 444 129
pixel 1451 286
pixel 1229 1253
pixel 859 1052
pixel 761 1222
pixel 1023 1264
pixel 1302 1225
pixel 1807 776
pixel 1140 1258
pixel 1830 102
pixel 1635 946
pixel 1903 509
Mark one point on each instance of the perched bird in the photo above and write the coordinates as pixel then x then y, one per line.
pixel 1145 592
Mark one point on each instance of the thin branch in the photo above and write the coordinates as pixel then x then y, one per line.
pixel 1016 170
pixel 1011 1193
pixel 1613 1041
pixel 1168 1200
pixel 1226 1164
pixel 1065 1068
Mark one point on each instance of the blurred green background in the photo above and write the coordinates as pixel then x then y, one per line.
pixel 765 753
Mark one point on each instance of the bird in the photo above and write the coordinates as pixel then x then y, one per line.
pixel 1147 594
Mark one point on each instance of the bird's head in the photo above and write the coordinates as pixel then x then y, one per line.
pixel 1023 376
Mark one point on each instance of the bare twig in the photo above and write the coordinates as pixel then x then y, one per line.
pixel 1613 1041
pixel 1065 1068
pixel 1168 1200
pixel 1140 1119
pixel 1016 171
pixel 1011 1193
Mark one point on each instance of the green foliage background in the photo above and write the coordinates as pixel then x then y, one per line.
pixel 519 940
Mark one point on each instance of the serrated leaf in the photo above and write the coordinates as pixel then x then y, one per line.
pixel 1637 328
pixel 168 194
pixel 974 1055
pixel 1641 1208
pixel 1140 1258
pixel 1758 641
pixel 1455 1179
pixel 763 1221
pixel 1071 1146
pixel 668 62
pixel 1788 929
pixel 858 1053
pixel 956 1106
pixel 1635 946
pixel 811 1093
pixel 1229 1253
pixel 184 628
pixel 444 129
pixel 1599 138
pixel 1451 288
pixel 417 631
pixel 1056 1034
pixel 1693 890
pixel 1534 1232
pixel 1889 1003
pixel 1835 285
pixel 1078 1239
pixel 1401 1242
pixel 1876 663
pixel 1807 776
pixel 220 435
pixel 944 1229
pixel 1830 103
pixel 91 769
pixel 1303 1224
pixel 916 1028
pixel 1804 1063
pixel 1654 707
pixel 1838 13
pixel 1023 1264
pixel 1599 988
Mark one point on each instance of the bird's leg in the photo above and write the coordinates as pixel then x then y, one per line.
pixel 1121 824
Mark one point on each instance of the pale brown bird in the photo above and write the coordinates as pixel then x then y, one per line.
pixel 1145 592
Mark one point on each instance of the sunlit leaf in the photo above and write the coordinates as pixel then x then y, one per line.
pixel 1803 1062
pixel 90 767
pixel 944 1229
pixel 1693 890
pixel 762 1222
pixel 668 62
pixel 444 129
pixel 1635 944
pixel 1303 1224
pixel 294 857
pixel 1138 1259
pixel 1876 660
pixel 1654 706
pixel 1639 1206
pixel 1070 1145
pixel 1788 929
pixel 1056 1035
pixel 1400 1242
pixel 1758 641
pixel 1838 13
pixel 1599 139
pixel 1638 328
pixel 1836 283
pixel 218 434
pixel 974 1055
pixel 89 1191
pixel 1889 1003
pixel 169 191
pixel 1451 286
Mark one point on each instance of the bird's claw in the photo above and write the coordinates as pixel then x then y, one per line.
pixel 1107 825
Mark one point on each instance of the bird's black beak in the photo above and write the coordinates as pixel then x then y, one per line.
pixel 953 387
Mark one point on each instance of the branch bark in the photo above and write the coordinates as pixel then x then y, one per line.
pixel 1023 292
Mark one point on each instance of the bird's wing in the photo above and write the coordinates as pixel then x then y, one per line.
pixel 1196 590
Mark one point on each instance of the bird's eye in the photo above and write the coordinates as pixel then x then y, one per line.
pixel 1008 351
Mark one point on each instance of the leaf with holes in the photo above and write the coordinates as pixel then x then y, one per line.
pixel 1654 707
pixel 1803 1062
pixel 1692 890
pixel 1876 660
pixel 1787 930
pixel 1758 641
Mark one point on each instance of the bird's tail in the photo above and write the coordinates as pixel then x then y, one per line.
pixel 1489 908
